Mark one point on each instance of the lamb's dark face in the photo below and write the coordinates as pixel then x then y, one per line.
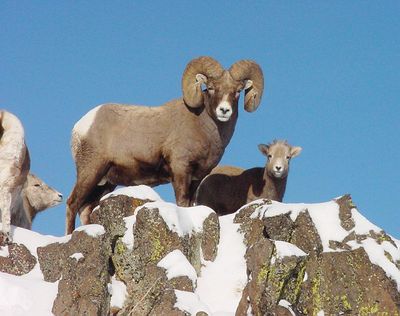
pixel 221 97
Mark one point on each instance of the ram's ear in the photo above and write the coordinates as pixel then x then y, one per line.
pixel 264 149
pixel 251 73
pixel 295 151
pixel 197 73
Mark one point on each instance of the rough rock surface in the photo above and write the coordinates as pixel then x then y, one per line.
pixel 293 265
pixel 19 260
pixel 341 280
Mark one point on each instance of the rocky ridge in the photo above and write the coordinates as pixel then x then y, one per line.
pixel 144 256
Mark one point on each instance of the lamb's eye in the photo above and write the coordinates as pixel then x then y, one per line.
pixel 269 156
pixel 37 185
pixel 288 157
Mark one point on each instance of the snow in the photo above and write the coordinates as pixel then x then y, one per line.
pixel 325 217
pixel 93 230
pixel 77 256
pixel 190 303
pixel 142 192
pixel 221 282
pixel 127 239
pixel 28 294
pixel 177 265
pixel 182 220
pixel 285 249
pixel 4 251
pixel 118 292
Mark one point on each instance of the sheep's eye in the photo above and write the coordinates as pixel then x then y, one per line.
pixel 210 89
pixel 288 157
pixel 37 185
pixel 269 156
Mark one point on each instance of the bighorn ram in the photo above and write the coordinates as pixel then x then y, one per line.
pixel 36 196
pixel 178 142
pixel 14 166
pixel 228 188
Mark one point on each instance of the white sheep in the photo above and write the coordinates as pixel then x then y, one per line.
pixel 178 142
pixel 36 196
pixel 14 166
pixel 228 188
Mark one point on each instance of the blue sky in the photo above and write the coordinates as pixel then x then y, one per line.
pixel 332 74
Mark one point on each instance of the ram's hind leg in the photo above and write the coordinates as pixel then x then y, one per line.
pixel 94 198
pixel 87 180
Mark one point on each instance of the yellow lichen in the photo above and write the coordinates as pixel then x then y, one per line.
pixel 370 310
pixel 120 248
pixel 345 302
pixel 157 250
pixel 316 296
pixel 262 274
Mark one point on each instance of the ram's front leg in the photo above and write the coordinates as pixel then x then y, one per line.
pixel 181 183
pixel 5 207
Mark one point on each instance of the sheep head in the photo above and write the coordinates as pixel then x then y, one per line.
pixel 279 154
pixel 39 195
pixel 223 87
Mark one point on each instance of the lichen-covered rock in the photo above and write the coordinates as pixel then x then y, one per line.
pixel 347 282
pixel 82 267
pixel 153 258
pixel 344 269
pixel 19 261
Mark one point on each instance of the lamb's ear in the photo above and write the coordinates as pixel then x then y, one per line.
pixel 264 149
pixel 295 151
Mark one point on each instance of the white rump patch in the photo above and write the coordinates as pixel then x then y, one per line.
pixel 83 125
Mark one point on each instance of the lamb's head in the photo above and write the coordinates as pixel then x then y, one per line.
pixel 39 195
pixel 279 154
pixel 222 87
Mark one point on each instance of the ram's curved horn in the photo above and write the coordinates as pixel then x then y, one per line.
pixel 251 73
pixel 196 73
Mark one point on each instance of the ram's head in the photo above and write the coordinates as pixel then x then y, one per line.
pixel 205 83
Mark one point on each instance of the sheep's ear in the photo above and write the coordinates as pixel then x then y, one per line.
pixel 200 79
pixel 248 84
pixel 197 73
pixel 295 151
pixel 264 149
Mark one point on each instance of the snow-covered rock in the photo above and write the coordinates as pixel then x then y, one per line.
pixel 144 256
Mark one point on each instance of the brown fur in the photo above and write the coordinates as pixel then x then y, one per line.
pixel 228 188
pixel 179 142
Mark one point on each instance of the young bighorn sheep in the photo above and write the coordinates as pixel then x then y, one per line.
pixel 14 166
pixel 36 196
pixel 228 188
pixel 178 142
